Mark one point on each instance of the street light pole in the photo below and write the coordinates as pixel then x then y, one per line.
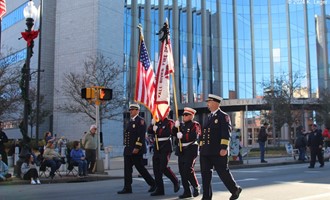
pixel 29 12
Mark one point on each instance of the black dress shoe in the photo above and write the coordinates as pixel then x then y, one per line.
pixel 177 187
pixel 152 188
pixel 196 191
pixel 125 191
pixel 157 193
pixel 322 165
pixel 263 161
pixel 236 194
pixel 310 166
pixel 184 196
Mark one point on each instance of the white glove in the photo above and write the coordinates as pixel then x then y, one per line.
pixel 177 124
pixel 179 135
pixel 154 128
pixel 153 121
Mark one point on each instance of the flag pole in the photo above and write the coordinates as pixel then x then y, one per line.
pixel 165 39
pixel 176 108
pixel 141 38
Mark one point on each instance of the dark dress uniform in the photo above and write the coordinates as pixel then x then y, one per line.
pixel 162 155
pixel 315 139
pixel 187 157
pixel 215 136
pixel 134 137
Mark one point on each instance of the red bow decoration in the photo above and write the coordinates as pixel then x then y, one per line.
pixel 29 36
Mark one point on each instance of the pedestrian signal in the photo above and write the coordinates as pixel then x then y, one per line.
pixel 105 94
pixel 87 93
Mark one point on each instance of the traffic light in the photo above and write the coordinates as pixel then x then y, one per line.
pixel 87 93
pixel 105 94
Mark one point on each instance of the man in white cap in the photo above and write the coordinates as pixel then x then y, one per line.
pixel 187 151
pixel 214 143
pixel 135 147
pixel 90 145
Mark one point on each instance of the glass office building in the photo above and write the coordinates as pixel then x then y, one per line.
pixel 230 47
pixel 224 47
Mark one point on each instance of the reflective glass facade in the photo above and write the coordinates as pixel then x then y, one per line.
pixel 229 47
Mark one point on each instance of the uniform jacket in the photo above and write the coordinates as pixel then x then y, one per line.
pixel 215 134
pixel 190 132
pixel 134 136
pixel 164 131
pixel 315 139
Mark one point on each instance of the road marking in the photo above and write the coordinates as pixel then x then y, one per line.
pixel 318 196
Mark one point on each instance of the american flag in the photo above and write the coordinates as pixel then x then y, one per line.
pixel 145 79
pixel 3 8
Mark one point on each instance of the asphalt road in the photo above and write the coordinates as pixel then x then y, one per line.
pixel 287 182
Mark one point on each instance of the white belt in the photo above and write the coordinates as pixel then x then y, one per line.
pixel 188 143
pixel 163 139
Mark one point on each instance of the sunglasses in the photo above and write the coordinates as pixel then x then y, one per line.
pixel 132 109
pixel 186 114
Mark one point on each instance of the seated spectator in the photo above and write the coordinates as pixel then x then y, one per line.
pixel 4 175
pixel 52 158
pixel 29 170
pixel 78 158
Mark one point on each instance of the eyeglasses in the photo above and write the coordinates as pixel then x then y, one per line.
pixel 186 114
pixel 132 109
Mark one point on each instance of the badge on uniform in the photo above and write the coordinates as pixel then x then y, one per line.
pixel 216 121
pixel 133 126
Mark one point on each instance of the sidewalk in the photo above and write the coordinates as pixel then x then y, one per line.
pixel 116 170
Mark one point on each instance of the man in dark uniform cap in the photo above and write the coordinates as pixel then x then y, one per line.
pixel 162 130
pixel 214 149
pixel 188 132
pixel 315 144
pixel 134 142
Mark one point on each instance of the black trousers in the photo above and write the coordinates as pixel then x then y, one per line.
pixel 187 159
pixel 160 161
pixel 91 159
pixel 220 163
pixel 32 173
pixel 316 152
pixel 136 160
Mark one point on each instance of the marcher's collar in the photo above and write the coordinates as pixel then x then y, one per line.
pixel 133 118
pixel 213 113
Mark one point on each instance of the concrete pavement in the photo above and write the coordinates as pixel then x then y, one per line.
pixel 117 165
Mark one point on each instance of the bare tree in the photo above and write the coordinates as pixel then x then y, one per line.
pixel 10 95
pixel 323 110
pixel 43 113
pixel 98 71
pixel 279 95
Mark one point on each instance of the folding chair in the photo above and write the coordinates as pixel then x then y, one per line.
pixel 44 170
pixel 72 169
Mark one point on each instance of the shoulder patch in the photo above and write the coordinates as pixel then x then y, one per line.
pixel 227 118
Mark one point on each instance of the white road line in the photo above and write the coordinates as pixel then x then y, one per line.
pixel 318 196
